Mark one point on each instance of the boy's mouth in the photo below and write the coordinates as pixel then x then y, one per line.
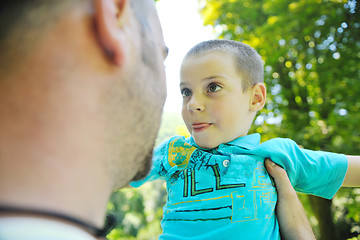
pixel 199 127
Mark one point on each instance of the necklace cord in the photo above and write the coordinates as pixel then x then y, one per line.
pixel 98 232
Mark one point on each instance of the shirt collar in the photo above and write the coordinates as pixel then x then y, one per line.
pixel 248 142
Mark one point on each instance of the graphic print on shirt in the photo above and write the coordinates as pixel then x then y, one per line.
pixel 207 191
pixel 179 153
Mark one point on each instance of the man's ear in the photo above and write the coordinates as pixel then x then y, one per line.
pixel 109 16
pixel 258 97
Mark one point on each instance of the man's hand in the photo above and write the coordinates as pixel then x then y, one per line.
pixel 290 213
pixel 352 178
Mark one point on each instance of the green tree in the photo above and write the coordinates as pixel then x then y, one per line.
pixel 311 50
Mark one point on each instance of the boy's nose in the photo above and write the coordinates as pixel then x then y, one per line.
pixel 195 105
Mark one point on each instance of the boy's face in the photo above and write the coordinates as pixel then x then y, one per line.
pixel 215 108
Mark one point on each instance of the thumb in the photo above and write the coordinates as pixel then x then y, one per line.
pixel 279 175
pixel 274 169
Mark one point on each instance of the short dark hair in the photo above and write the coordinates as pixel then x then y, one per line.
pixel 29 14
pixel 22 22
pixel 248 62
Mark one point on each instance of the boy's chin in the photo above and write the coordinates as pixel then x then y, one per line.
pixel 206 145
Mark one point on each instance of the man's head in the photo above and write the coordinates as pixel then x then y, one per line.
pixel 82 88
pixel 221 84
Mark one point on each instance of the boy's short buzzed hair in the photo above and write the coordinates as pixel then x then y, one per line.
pixel 247 61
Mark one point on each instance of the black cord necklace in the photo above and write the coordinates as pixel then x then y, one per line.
pixel 97 232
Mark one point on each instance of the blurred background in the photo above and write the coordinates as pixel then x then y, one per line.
pixel 311 50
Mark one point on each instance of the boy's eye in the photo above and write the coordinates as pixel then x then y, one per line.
pixel 185 92
pixel 213 87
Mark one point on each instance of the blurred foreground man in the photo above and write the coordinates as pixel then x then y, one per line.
pixel 82 87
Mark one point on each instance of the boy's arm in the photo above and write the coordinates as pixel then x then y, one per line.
pixel 290 213
pixel 352 177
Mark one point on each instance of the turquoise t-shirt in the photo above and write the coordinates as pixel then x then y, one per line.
pixel 226 193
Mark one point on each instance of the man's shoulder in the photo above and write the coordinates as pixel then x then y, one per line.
pixel 29 228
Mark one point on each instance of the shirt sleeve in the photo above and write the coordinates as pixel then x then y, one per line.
pixel 312 172
pixel 159 169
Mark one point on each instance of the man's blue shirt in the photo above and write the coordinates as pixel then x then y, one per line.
pixel 226 193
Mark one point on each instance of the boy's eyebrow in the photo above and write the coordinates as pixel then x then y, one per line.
pixel 213 77
pixel 206 79
pixel 182 84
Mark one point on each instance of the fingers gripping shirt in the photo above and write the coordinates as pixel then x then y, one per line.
pixel 225 193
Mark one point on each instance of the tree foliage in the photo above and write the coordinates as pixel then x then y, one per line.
pixel 311 50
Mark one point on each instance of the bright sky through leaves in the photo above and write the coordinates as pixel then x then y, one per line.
pixel 182 28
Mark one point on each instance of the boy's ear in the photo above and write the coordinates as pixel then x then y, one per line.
pixel 109 19
pixel 258 97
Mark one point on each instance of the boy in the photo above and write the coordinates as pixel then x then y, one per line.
pixel 216 181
